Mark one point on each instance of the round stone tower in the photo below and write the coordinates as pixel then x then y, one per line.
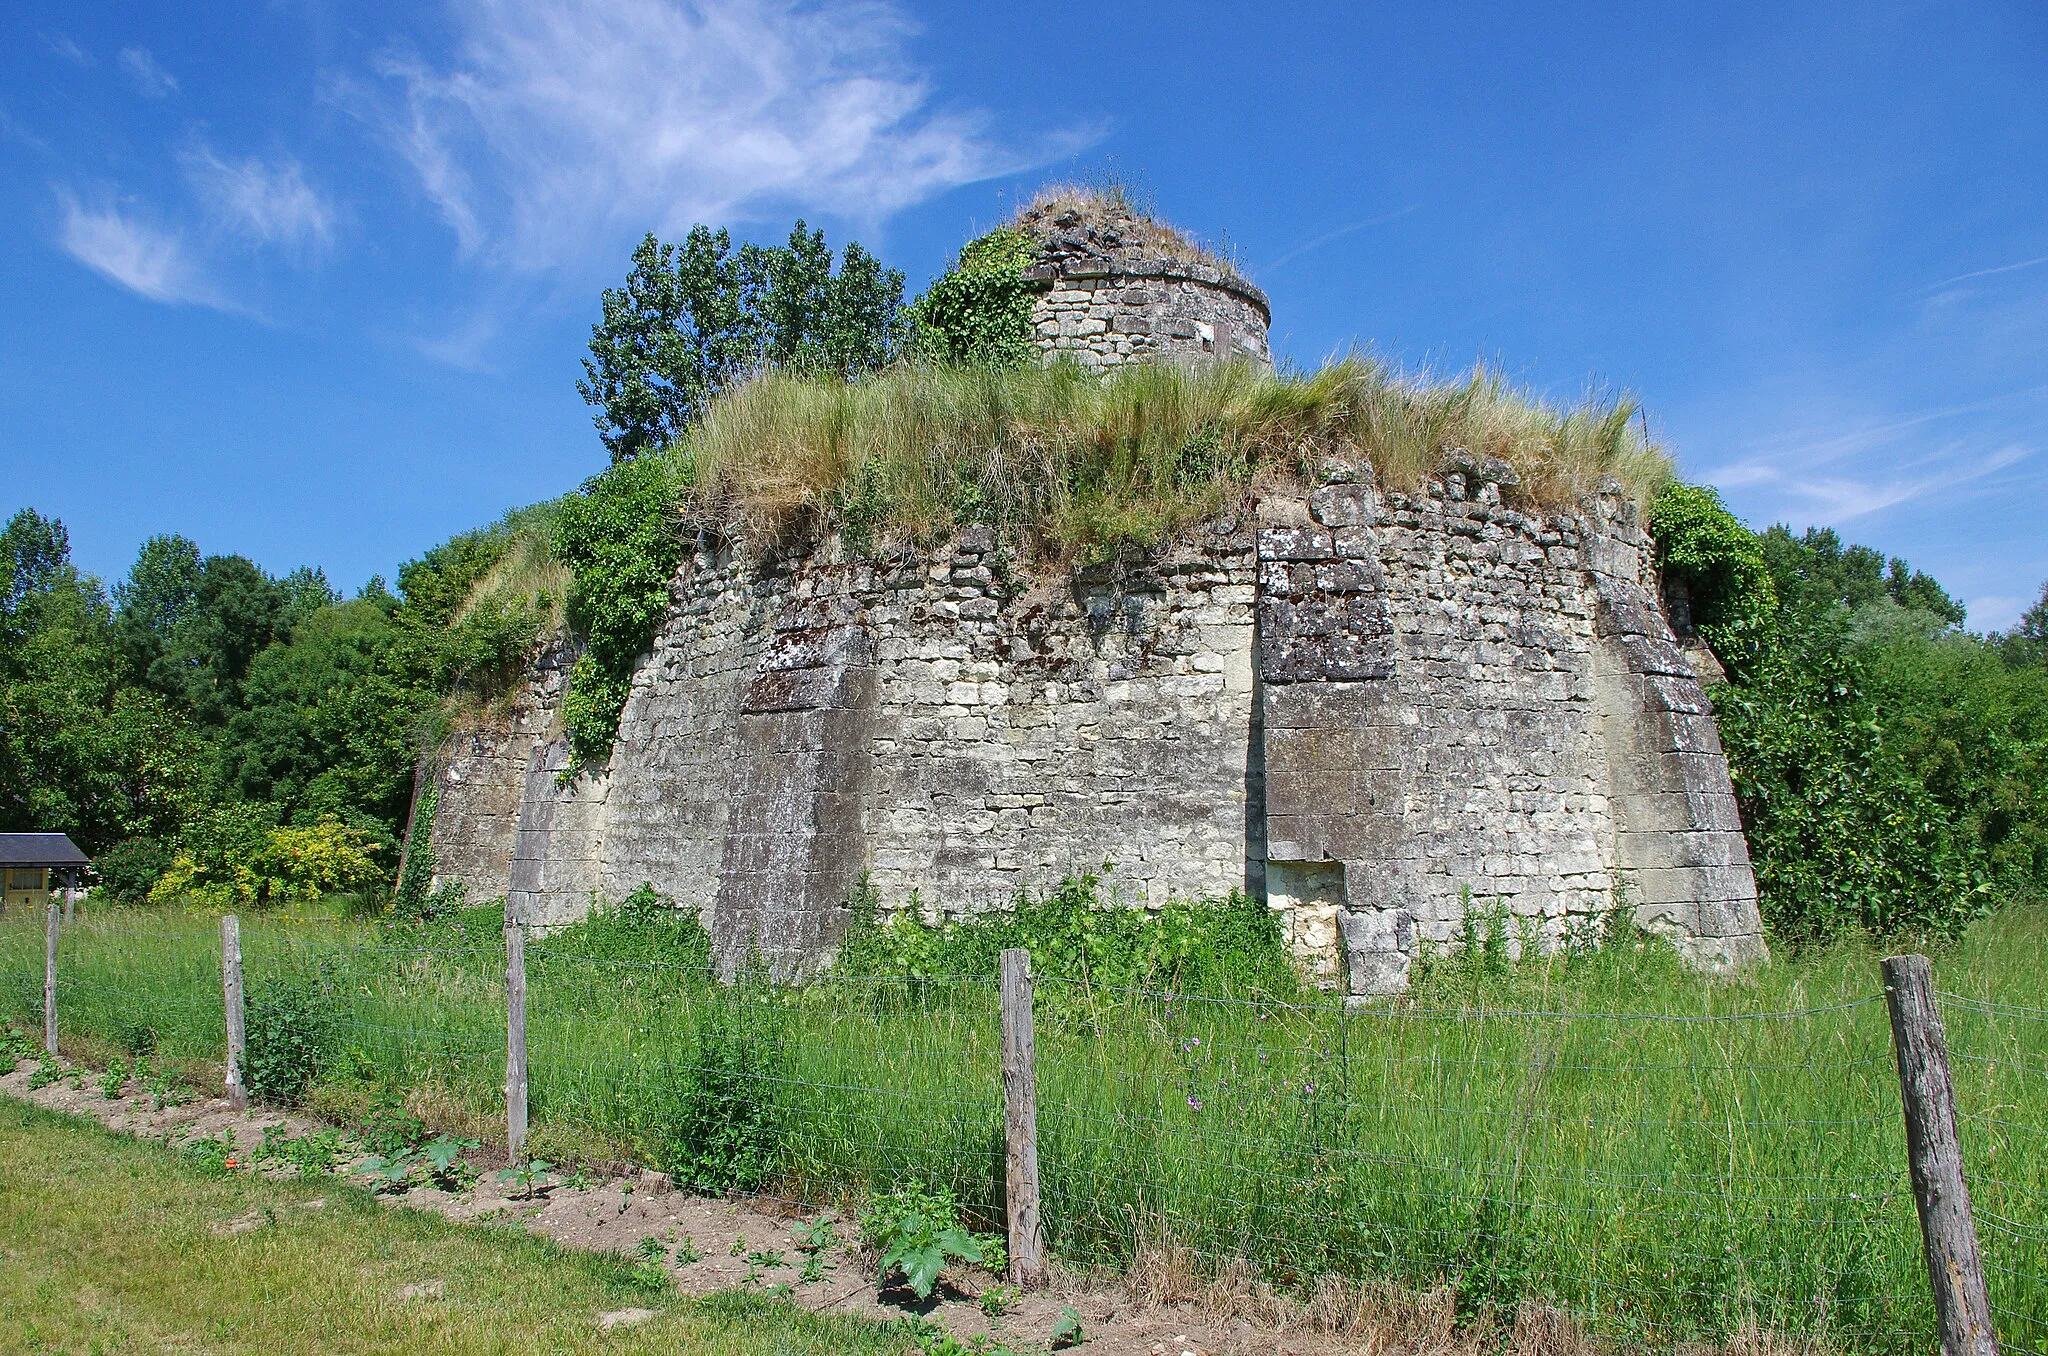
pixel 1121 287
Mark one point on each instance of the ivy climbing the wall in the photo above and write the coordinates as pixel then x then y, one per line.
pixel 1720 562
pixel 978 314
pixel 622 542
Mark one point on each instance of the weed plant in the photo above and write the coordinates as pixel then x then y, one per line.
pixel 285 1026
pixel 1669 1157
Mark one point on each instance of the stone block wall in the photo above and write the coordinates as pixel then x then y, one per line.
pixel 1376 710
pixel 1101 312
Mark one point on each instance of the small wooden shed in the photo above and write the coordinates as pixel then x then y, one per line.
pixel 35 866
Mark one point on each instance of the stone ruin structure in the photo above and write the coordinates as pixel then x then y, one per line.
pixel 1375 710
pixel 1121 288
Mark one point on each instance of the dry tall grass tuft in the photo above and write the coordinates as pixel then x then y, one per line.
pixel 1383 1318
pixel 1081 466
pixel 1115 207
pixel 527 572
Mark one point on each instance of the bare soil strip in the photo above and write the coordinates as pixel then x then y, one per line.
pixel 1162 1308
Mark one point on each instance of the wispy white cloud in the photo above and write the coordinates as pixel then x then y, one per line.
pixel 271 204
pixel 1989 272
pixel 151 81
pixel 64 47
pixel 559 124
pixel 1338 234
pixel 1996 611
pixel 466 347
pixel 147 260
pixel 11 129
pixel 1794 477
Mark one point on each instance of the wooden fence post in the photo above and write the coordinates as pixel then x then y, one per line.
pixel 1020 1122
pixel 71 895
pixel 1955 1267
pixel 231 1007
pixel 50 983
pixel 515 1035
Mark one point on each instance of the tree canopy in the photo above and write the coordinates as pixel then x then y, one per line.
pixel 693 317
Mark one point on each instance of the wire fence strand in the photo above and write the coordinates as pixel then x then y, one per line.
pixel 1665 1179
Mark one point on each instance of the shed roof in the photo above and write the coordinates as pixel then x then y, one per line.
pixel 40 849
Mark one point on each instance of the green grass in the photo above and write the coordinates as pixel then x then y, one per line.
pixel 114 1245
pixel 1536 1129
pixel 1079 465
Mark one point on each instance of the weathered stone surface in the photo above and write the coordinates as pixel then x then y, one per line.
pixel 1107 299
pixel 1450 701
pixel 1380 948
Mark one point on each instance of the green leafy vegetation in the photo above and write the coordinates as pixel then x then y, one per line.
pixel 214 733
pixel 1891 769
pixel 622 543
pixel 212 1155
pixel 714 1120
pixel 529 1176
pixel 1216 946
pixel 1721 562
pixel 915 1230
pixel 978 313
pixel 693 317
pixel 416 877
pixel 286 1027
pixel 316 1152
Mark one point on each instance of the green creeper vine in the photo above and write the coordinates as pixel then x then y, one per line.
pixel 1720 561
pixel 622 544
pixel 416 880
pixel 979 313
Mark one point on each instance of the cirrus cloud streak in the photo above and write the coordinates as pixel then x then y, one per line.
pixel 559 124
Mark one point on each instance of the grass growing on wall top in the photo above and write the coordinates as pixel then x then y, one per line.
pixel 1081 465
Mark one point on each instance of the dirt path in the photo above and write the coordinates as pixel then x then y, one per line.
pixel 748 1243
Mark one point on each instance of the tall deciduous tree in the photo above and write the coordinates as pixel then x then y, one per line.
pixel 81 751
pixel 694 316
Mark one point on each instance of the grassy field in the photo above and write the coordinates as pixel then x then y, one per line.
pixel 1668 1158
pixel 113 1245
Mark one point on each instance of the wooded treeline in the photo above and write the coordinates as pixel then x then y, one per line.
pixel 238 736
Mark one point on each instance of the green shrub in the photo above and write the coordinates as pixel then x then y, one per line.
pixel 287 1032
pixel 388 1129
pixel 212 1155
pixel 1721 562
pixel 238 855
pixel 915 1231
pixel 1842 831
pixel 1219 946
pixel 717 1122
pixel 1888 768
pixel 128 870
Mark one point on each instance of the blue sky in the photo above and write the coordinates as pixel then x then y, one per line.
pixel 309 281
